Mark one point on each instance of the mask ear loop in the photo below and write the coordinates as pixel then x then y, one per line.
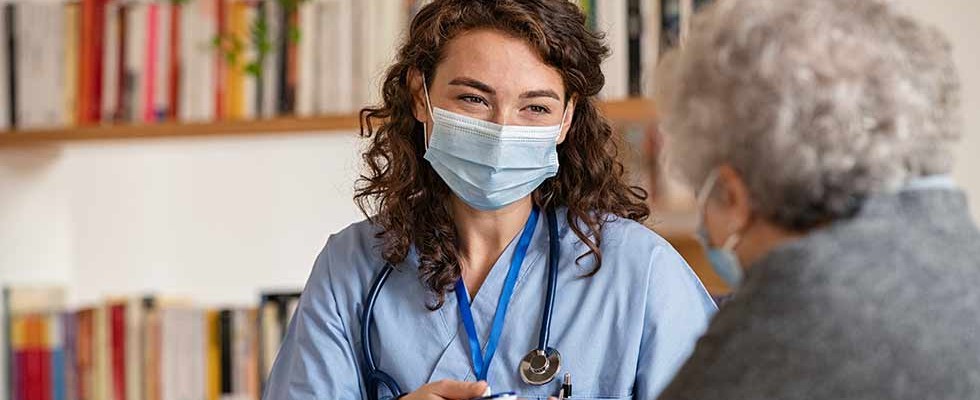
pixel 428 106
pixel 561 125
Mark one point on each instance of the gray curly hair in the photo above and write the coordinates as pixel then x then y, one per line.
pixel 816 103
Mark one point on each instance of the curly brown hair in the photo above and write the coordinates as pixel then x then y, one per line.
pixel 404 197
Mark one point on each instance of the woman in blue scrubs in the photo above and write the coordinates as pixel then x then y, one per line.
pixel 488 127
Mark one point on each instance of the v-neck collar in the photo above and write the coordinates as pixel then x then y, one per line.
pixel 455 358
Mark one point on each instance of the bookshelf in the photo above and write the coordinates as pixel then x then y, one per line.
pixel 635 110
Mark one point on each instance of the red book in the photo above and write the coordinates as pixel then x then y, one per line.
pixel 117 343
pixel 173 79
pixel 90 61
pixel 219 62
pixel 152 29
pixel 44 367
pixel 121 98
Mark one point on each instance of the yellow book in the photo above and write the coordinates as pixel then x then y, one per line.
pixel 100 355
pixel 235 78
pixel 214 355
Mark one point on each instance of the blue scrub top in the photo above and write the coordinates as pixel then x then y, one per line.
pixel 622 333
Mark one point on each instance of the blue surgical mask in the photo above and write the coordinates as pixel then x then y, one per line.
pixel 723 259
pixel 488 165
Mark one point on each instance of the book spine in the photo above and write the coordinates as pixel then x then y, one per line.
pixel 110 52
pixel 226 338
pixel 10 13
pixel 83 354
pixel 150 63
pixel 56 348
pixel 69 328
pixel 635 57
pixel 173 81
pixel 70 94
pixel 122 94
pixel 117 343
pixel 220 71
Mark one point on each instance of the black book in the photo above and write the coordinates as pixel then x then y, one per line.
pixel 635 45
pixel 9 14
pixel 225 327
pixel 286 48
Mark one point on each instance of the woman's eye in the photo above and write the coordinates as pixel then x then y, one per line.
pixel 472 99
pixel 538 109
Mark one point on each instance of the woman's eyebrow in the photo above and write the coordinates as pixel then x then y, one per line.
pixel 473 83
pixel 540 93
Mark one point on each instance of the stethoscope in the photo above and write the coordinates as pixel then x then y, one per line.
pixel 538 367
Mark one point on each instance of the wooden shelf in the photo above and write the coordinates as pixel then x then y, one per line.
pixel 632 110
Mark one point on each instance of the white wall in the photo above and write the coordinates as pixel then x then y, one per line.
pixel 960 20
pixel 215 220
pixel 219 219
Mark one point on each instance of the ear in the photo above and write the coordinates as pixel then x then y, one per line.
pixel 733 198
pixel 566 123
pixel 419 108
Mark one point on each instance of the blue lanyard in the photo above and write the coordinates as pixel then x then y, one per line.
pixel 481 363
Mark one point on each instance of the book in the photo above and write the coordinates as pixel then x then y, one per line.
pixel 174 61
pixel 40 49
pixel 110 65
pixel 29 314
pixel 670 23
pixel 69 342
pixel 117 349
pixel 635 65
pixel 4 98
pixel 612 19
pixel 161 72
pixel 270 19
pixel 10 47
pixel 85 353
pixel 306 80
pixel 250 77
pixel 336 44
pixel 650 43
pixel 56 362
pixel 92 36
pixel 151 63
pixel 134 45
pixel 198 65
pixel 286 81
pixel 221 65
pixel 70 69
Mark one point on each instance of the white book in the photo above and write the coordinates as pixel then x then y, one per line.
pixel 336 41
pixel 169 362
pixel 250 87
pixel 134 87
pixel 135 317
pixel 650 44
pixel 110 64
pixel 382 24
pixel 4 125
pixel 612 18
pixel 687 13
pixel 197 76
pixel 270 65
pixel 40 51
pixel 306 84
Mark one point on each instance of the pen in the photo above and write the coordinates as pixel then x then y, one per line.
pixel 566 387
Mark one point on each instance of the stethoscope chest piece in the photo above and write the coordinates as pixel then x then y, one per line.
pixel 540 367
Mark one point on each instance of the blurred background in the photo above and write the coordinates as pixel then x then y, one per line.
pixel 205 150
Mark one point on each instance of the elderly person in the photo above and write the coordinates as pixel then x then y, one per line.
pixel 819 132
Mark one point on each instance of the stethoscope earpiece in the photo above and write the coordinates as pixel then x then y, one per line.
pixel 540 367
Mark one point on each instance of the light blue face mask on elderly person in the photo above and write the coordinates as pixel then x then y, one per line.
pixel 488 165
pixel 722 259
